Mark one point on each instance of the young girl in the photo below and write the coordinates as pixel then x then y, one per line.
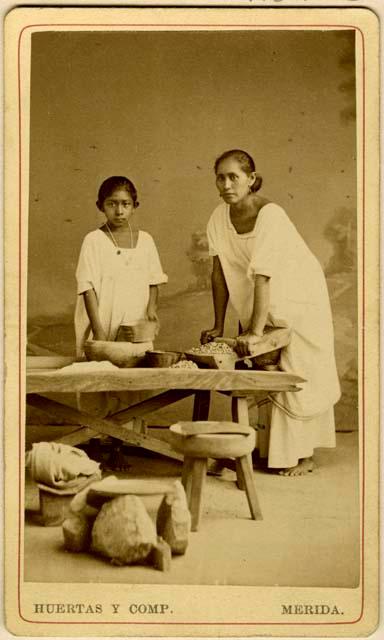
pixel 118 274
pixel 119 269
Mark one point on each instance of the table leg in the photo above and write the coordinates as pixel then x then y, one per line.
pixel 78 435
pixel 201 405
pixel 152 404
pixel 106 426
pixel 240 412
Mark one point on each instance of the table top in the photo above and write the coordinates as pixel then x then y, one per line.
pixel 45 375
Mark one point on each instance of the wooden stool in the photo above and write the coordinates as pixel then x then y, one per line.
pixel 198 441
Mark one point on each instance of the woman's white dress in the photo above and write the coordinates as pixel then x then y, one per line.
pixel 298 299
pixel 121 282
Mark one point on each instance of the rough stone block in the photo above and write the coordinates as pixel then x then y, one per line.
pixel 161 555
pixel 77 530
pixel 173 522
pixel 123 531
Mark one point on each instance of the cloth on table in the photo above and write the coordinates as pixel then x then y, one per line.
pixel 61 466
pixel 84 367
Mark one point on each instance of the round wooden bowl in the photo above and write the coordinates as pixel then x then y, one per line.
pixel 144 331
pixel 162 358
pixel 268 359
pixel 119 353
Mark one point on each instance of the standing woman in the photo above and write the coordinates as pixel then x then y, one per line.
pixel 263 266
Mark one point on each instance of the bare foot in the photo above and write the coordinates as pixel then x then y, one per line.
pixel 305 465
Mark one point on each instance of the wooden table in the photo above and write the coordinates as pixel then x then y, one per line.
pixel 44 376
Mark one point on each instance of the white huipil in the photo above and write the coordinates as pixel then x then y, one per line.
pixel 298 299
pixel 121 279
pixel 121 282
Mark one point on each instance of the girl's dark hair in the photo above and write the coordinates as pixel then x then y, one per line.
pixel 116 182
pixel 245 161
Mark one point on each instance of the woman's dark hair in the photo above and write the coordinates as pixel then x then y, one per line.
pixel 116 182
pixel 245 161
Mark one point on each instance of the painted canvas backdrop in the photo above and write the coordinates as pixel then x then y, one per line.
pixel 159 108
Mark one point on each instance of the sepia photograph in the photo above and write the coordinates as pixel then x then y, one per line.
pixel 192 296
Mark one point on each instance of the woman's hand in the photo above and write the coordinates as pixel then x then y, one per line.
pixel 208 335
pixel 245 343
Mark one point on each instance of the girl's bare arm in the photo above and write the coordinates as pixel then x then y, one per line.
pixel 91 307
pixel 152 302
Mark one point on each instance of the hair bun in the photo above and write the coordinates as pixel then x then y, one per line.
pixel 257 184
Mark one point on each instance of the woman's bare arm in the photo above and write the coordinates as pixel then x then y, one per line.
pixel 220 297
pixel 260 305
pixel 259 316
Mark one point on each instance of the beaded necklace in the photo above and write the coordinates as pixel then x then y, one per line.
pixel 127 259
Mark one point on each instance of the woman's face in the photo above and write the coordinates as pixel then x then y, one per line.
pixel 118 208
pixel 232 182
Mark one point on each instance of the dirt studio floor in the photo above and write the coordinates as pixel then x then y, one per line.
pixel 309 535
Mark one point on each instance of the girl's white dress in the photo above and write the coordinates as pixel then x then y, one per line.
pixel 121 282
pixel 298 299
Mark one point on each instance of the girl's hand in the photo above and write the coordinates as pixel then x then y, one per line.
pixel 210 334
pixel 245 343
pixel 152 315
pixel 142 331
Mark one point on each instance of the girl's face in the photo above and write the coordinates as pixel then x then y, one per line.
pixel 118 208
pixel 232 182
